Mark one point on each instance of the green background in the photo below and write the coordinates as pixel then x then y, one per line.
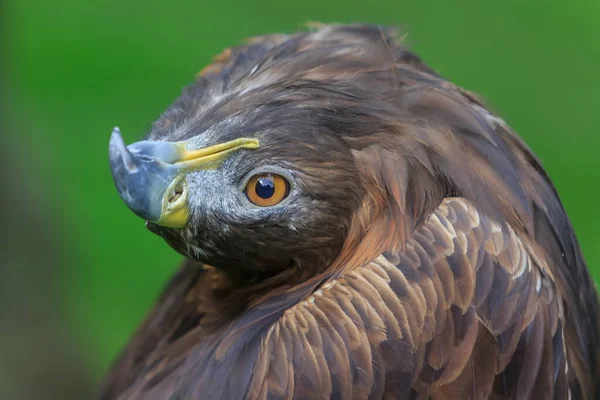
pixel 76 69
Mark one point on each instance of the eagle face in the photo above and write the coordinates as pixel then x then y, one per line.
pixel 253 182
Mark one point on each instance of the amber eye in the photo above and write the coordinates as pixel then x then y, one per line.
pixel 267 189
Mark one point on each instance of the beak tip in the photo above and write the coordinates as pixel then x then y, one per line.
pixel 118 151
pixel 116 140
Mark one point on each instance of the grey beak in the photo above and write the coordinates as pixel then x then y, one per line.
pixel 142 174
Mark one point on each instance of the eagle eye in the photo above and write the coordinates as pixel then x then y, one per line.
pixel 267 190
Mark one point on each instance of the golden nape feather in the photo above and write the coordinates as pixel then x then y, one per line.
pixel 416 248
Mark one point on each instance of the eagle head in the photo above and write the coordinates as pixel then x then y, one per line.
pixel 254 169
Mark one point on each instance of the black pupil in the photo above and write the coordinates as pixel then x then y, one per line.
pixel 265 187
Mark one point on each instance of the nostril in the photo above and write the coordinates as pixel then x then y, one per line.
pixel 177 192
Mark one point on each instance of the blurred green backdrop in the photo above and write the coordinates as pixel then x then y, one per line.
pixel 76 69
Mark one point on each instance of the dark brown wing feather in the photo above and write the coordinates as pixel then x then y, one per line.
pixel 462 312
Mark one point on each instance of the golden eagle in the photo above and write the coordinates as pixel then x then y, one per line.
pixel 355 227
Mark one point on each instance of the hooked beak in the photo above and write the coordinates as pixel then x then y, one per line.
pixel 150 176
